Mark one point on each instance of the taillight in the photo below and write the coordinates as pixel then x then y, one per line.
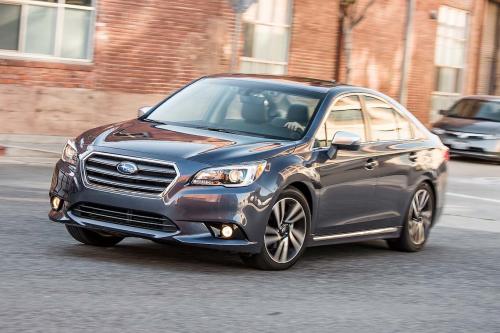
pixel 446 154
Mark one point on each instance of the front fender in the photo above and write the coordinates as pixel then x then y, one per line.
pixel 292 170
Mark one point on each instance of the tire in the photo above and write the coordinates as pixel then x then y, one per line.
pixel 90 237
pixel 284 242
pixel 418 221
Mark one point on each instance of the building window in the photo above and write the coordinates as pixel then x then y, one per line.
pixel 59 29
pixel 451 42
pixel 266 30
pixel 450 49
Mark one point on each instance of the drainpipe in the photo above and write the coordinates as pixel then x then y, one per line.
pixel 405 65
pixel 496 53
pixel 340 42
pixel 234 44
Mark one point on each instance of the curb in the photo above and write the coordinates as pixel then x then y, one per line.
pixel 46 151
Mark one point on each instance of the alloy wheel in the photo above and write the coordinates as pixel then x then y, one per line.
pixel 420 216
pixel 286 230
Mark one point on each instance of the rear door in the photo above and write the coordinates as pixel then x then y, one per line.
pixel 347 185
pixel 392 140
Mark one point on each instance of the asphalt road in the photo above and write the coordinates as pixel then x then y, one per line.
pixel 50 283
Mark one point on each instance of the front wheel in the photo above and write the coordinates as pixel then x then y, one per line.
pixel 90 237
pixel 418 221
pixel 286 233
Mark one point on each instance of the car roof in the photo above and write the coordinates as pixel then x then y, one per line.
pixel 490 98
pixel 287 80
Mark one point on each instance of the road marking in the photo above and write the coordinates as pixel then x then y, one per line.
pixel 24 199
pixel 472 197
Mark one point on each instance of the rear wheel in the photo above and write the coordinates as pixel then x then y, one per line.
pixel 286 233
pixel 418 223
pixel 94 238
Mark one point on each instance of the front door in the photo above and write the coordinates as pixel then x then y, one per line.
pixel 347 181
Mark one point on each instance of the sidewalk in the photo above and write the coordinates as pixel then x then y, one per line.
pixel 30 149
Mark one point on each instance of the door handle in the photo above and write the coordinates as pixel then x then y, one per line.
pixel 413 157
pixel 370 164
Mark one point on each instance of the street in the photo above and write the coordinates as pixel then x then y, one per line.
pixel 49 282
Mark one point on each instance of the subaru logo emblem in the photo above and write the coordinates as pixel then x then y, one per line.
pixel 127 168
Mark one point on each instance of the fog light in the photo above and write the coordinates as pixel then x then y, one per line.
pixel 226 231
pixel 56 203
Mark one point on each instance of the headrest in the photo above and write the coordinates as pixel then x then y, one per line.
pixel 298 113
pixel 254 110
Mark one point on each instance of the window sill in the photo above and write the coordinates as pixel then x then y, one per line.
pixel 442 93
pixel 23 60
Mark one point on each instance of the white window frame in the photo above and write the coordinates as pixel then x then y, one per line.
pixel 443 99
pixel 60 5
pixel 271 24
pixel 462 41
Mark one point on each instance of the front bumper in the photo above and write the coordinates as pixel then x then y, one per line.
pixel 190 208
pixel 473 147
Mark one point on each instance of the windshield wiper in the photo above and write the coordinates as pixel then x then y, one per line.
pixel 486 119
pixel 231 131
pixel 153 121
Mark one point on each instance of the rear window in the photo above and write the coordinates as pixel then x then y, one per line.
pixel 387 124
pixel 383 122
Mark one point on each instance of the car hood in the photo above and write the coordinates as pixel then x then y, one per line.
pixel 176 143
pixel 468 125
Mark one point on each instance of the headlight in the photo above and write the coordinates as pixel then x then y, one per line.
pixel 438 131
pixel 69 153
pixel 231 175
pixel 491 136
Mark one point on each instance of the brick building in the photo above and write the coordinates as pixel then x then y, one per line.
pixel 67 65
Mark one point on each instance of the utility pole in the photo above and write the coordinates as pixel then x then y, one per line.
pixel 405 65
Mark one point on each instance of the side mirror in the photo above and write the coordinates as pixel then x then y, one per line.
pixel 142 111
pixel 344 141
pixel 443 112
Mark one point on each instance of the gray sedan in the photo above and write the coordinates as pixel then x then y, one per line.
pixel 472 127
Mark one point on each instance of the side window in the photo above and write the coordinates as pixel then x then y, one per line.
pixel 383 122
pixel 345 115
pixel 404 127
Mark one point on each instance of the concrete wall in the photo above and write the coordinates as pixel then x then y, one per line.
pixel 65 111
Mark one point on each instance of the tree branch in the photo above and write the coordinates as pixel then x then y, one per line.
pixel 362 15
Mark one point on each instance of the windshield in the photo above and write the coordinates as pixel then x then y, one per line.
pixel 245 107
pixel 476 109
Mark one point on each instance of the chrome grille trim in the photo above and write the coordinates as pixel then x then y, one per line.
pixel 153 179
pixel 123 216
pixel 465 135
pixel 117 174
pixel 143 168
pixel 122 185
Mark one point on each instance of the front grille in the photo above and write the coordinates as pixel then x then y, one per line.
pixel 152 177
pixel 464 135
pixel 123 216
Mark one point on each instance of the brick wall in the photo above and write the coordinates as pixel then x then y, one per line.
pixel 377 56
pixel 313 47
pixel 143 52
pixel 160 45
pixel 488 50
